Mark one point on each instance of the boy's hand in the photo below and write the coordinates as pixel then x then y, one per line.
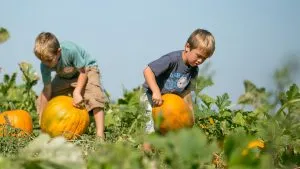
pixel 156 99
pixel 77 100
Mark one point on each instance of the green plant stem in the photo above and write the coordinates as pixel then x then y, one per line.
pixel 132 125
pixel 286 104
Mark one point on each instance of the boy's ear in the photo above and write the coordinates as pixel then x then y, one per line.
pixel 59 51
pixel 187 47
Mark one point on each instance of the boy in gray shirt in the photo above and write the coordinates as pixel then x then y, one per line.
pixel 173 72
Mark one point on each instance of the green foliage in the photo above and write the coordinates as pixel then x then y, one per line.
pixel 284 76
pixel 220 138
pixel 202 81
pixel 10 145
pixel 290 100
pixel 258 98
pixel 46 153
pixel 115 156
pixel 223 102
pixel 240 155
pixel 217 120
pixel 4 35
pixel 281 132
pixel 126 118
pixel 13 96
pixel 184 149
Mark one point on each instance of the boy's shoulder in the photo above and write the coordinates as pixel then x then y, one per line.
pixel 67 44
pixel 174 56
pixel 69 47
pixel 175 53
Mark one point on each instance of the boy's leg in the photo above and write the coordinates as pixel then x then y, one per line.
pixel 99 120
pixel 59 86
pixel 94 99
pixel 38 107
pixel 148 111
pixel 149 128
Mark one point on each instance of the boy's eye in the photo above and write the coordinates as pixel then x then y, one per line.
pixel 49 60
pixel 200 57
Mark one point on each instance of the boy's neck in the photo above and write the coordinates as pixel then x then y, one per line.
pixel 183 56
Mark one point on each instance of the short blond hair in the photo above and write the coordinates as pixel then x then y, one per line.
pixel 46 46
pixel 202 39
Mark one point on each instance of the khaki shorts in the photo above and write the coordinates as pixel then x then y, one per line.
pixel 93 94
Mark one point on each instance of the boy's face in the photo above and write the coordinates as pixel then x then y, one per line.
pixel 194 57
pixel 52 62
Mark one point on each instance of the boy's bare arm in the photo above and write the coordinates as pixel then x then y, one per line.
pixel 45 97
pixel 188 99
pixel 151 81
pixel 187 94
pixel 82 79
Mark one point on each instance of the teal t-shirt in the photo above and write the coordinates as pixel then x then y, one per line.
pixel 72 58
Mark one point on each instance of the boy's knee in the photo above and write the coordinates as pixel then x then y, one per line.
pixel 97 110
pixel 38 103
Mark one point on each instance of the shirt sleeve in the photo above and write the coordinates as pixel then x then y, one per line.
pixel 160 65
pixel 46 74
pixel 78 59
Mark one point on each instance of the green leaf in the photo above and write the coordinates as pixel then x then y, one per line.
pixel 257 97
pixel 30 76
pixel 293 92
pixel 4 35
pixel 225 113
pixel 204 79
pixel 187 148
pixel 223 101
pixel 207 100
pixel 239 119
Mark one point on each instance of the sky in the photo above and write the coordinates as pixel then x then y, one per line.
pixel 253 38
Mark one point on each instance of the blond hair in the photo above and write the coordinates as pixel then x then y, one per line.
pixel 202 39
pixel 46 46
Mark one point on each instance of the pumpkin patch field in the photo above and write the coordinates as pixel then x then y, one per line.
pixel 261 130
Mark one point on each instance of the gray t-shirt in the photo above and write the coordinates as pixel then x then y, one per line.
pixel 72 58
pixel 172 74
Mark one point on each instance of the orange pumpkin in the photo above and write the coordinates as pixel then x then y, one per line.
pixel 60 117
pixel 173 114
pixel 18 119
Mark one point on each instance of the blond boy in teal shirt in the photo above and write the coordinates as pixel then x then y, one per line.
pixel 77 74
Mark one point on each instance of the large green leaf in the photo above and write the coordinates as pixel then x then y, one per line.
pixel 223 101
pixel 187 148
pixel 47 153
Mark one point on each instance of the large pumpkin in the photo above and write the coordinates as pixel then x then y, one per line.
pixel 60 117
pixel 18 119
pixel 173 114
